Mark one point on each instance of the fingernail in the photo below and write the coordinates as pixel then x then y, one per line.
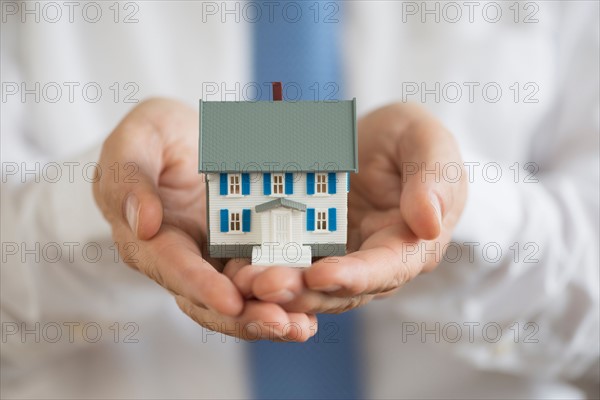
pixel 132 210
pixel 435 202
pixel 328 289
pixel 281 296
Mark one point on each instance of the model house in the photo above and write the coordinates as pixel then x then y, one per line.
pixel 277 178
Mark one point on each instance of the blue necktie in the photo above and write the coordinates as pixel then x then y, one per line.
pixel 299 47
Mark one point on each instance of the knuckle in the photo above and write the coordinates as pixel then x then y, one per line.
pixel 348 303
pixel 192 311
pixel 156 276
pixel 401 276
pixel 186 307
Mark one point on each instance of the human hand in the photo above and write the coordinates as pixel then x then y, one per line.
pixel 395 214
pixel 153 197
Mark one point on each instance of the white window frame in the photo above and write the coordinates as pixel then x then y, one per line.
pixel 275 184
pixel 235 222
pixel 234 181
pixel 321 220
pixel 323 184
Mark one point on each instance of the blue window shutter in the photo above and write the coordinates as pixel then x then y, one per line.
pixel 267 184
pixel 332 219
pixel 348 182
pixel 310 219
pixel 331 183
pixel 246 220
pixel 310 183
pixel 245 184
pixel 224 220
pixel 289 183
pixel 223 189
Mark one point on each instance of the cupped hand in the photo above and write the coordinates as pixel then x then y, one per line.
pixel 149 189
pixel 403 206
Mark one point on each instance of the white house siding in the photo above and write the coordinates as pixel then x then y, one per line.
pixel 256 197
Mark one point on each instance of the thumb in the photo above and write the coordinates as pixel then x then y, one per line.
pixel 142 208
pixel 428 152
pixel 126 186
pixel 146 143
pixel 422 208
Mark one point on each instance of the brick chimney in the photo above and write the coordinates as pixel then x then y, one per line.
pixel 277 95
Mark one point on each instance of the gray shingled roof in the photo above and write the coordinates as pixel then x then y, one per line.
pixel 278 136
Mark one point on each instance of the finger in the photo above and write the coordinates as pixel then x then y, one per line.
pixel 142 209
pixel 133 204
pixel 383 263
pixel 180 269
pixel 151 139
pixel 314 302
pixel 300 328
pixel 127 190
pixel 278 284
pixel 421 208
pixel 246 326
pixel 432 174
pixel 271 322
pixel 234 265
pixel 245 277
pixel 259 321
pixel 385 295
pixel 285 286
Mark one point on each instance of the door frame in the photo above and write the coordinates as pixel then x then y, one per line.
pixel 283 212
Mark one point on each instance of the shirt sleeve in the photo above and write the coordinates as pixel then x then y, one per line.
pixel 59 263
pixel 542 289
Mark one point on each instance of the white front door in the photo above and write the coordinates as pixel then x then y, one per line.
pixel 280 246
pixel 281 226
